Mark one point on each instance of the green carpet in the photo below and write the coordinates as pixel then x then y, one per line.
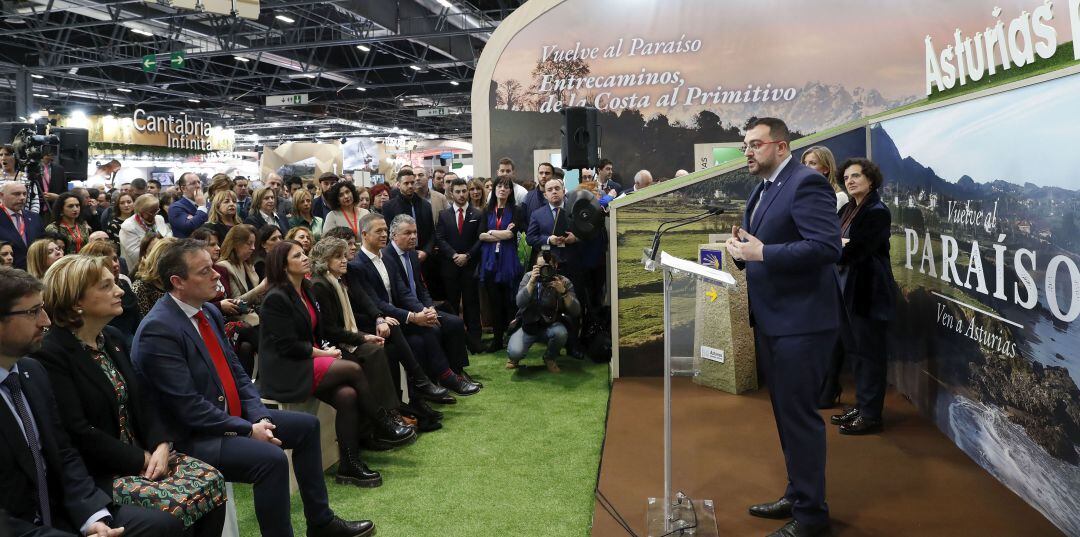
pixel 519 458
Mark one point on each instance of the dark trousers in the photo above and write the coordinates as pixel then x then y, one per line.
pixel 794 367
pixel 830 387
pixel 503 305
pixel 139 521
pixel 246 460
pixel 463 296
pixel 865 344
pixel 426 344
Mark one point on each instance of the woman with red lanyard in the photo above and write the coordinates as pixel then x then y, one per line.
pixel 68 221
pixel 294 365
pixel 500 271
pixel 344 212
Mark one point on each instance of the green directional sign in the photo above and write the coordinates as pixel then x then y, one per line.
pixel 149 63
pixel 176 59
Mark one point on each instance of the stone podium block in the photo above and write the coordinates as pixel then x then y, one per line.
pixel 723 340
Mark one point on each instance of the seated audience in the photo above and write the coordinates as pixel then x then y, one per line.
pixel 145 219
pixel 265 239
pixel 547 310
pixel 147 284
pixel 108 418
pixel 303 214
pixel 223 214
pixel 380 194
pixel 370 272
pixel 263 211
pixel 47 489
pixel 19 227
pixel 457 235
pixel 344 212
pixel 216 412
pixel 295 367
pixel 302 236
pixel 500 270
pixel 41 255
pixel 123 207
pixel 188 212
pixel 128 321
pixel 340 327
pixel 243 290
pixel 69 223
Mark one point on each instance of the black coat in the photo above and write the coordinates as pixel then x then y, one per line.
pixel 870 290
pixel 425 221
pixel 256 220
pixel 286 368
pixel 89 408
pixel 331 313
pixel 72 494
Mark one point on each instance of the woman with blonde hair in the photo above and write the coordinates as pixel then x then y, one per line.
pixel 41 254
pixel 145 219
pixel 223 213
pixel 112 422
pixel 821 159
pixel 148 287
pixel 478 194
pixel 263 211
pixel 302 236
pixel 243 288
pixel 303 216
pixel 220 182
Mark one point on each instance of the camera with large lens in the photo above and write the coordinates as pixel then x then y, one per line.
pixel 547 270
pixel 30 146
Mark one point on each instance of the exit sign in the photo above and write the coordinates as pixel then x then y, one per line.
pixel 286 100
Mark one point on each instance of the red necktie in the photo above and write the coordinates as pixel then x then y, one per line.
pixel 460 220
pixel 232 396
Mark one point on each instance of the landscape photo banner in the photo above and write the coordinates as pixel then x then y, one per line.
pixel 666 76
pixel 986 251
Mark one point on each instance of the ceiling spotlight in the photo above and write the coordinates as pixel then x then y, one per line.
pixel 454 83
pixel 446 3
pixel 123 90
pixel 15 20
pixel 283 18
pixel 364 48
pixel 301 75
pixel 361 88
pixel 37 76
pixel 118 104
pixel 193 101
pixel 141 32
pixel 241 59
pixel 414 67
pixel 43 96
pixel 249 109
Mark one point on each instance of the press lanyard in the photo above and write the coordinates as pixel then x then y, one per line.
pixel 75 234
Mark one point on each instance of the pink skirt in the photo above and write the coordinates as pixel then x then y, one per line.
pixel 321 366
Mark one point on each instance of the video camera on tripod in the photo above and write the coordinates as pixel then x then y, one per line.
pixel 31 145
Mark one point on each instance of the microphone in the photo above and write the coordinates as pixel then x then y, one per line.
pixel 650 254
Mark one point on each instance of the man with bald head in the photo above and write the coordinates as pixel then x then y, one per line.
pixel 18 226
pixel 642 179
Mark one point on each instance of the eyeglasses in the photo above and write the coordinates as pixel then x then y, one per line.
pixel 756 145
pixel 32 313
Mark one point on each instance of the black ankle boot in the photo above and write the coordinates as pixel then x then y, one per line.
pixel 352 471
pixel 391 434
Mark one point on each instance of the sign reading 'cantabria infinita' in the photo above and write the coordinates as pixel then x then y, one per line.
pixel 1025 39
pixel 180 132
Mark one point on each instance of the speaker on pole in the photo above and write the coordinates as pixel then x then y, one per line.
pixel 74 151
pixel 580 138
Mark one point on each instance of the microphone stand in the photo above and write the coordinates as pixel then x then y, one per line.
pixel 649 258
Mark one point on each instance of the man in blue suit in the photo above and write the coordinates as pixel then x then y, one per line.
pixel 373 271
pixel 18 227
pixel 189 212
pixel 181 353
pixel 789 244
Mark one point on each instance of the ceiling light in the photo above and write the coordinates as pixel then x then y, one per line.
pixel 362 89
pixel 283 18
pixel 42 95
pixel 124 90
pixel 364 48
pixel 242 59
pixel 249 109
pixel 118 104
pixel 414 67
pixel 141 32
pixel 454 83
pixel 301 75
pixel 446 3
pixel 15 20
pixel 37 76
pixel 193 101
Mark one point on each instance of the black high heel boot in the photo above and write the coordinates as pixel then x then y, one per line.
pixel 352 471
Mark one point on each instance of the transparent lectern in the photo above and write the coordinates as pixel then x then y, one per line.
pixel 685 284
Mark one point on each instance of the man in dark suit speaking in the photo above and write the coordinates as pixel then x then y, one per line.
pixel 789 243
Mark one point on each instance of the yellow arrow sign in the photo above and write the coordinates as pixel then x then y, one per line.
pixel 711 293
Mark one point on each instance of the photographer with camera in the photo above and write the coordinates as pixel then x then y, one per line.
pixel 548 310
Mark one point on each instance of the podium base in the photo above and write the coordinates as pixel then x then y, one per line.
pixel 683 518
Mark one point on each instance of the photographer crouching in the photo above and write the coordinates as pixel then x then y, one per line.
pixel 547 310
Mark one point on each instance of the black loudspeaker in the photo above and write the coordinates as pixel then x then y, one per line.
pixel 74 151
pixel 580 138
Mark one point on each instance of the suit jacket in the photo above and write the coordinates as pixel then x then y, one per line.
pixel 421 297
pixel 255 218
pixel 425 222
pixel 542 225
pixel 175 367
pixel 795 290
pixel 286 339
pixel 363 277
pixel 612 184
pixel 72 494
pixel 869 287
pixel 90 410
pixel 451 242
pixel 8 233
pixel 185 217
pixel 58 183
pixel 533 201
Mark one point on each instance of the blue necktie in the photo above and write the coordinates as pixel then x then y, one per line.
pixel 15 390
pixel 408 270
